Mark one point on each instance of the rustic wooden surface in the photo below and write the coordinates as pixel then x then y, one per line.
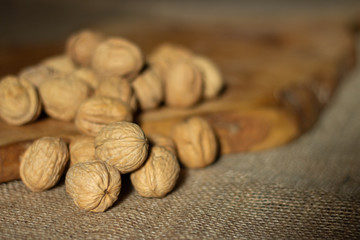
pixel 277 81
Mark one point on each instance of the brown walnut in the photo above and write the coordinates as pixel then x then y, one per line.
pixel 162 141
pixel 94 186
pixel 122 145
pixel 43 163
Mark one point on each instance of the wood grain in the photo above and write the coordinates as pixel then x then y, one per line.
pixel 277 82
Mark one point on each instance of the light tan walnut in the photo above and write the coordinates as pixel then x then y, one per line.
pixel 118 57
pixel 80 46
pixel 62 96
pixel 149 90
pixel 94 186
pixel 122 145
pixel 213 81
pixel 196 142
pixel 61 64
pixel 158 175
pixel 37 74
pixel 116 87
pixel 43 163
pixel 19 101
pixel 86 75
pixel 82 149
pixel 166 54
pixel 162 141
pixel 97 112
pixel 184 85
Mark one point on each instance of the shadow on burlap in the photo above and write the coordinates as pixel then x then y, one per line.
pixel 307 189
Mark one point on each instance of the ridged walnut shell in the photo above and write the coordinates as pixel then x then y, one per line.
pixel 196 142
pixel 94 186
pixel 19 101
pixel 97 112
pixel 122 145
pixel 43 163
pixel 62 96
pixel 158 175
pixel 117 57
pixel 184 85
pixel 82 149
pixel 213 81
pixel 116 87
pixel 162 141
pixel 80 46
pixel 149 89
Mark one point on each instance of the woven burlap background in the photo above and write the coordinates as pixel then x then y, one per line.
pixel 307 189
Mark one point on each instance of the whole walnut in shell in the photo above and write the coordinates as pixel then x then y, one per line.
pixel 162 141
pixel 43 163
pixel 149 90
pixel 118 88
pixel 184 85
pixel 82 149
pixel 62 96
pixel 86 75
pixel 80 46
pixel 94 186
pixel 97 112
pixel 213 82
pixel 117 57
pixel 19 101
pixel 196 142
pixel 158 175
pixel 61 64
pixel 122 145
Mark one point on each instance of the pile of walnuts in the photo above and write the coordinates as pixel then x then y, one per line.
pixel 99 84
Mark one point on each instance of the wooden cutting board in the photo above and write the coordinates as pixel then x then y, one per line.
pixel 278 78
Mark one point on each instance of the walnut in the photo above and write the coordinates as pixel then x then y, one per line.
pixel 196 142
pixel 158 175
pixel 43 163
pixel 80 46
pixel 213 82
pixel 86 75
pixel 94 186
pixel 184 85
pixel 163 141
pixel 148 88
pixel 122 145
pixel 19 101
pixel 118 88
pixel 37 74
pixel 117 57
pixel 60 64
pixel 82 149
pixel 96 112
pixel 62 96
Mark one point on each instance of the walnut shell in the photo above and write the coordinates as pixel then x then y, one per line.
pixel 62 96
pixel 86 75
pixel 43 163
pixel 117 57
pixel 97 112
pixel 80 46
pixel 122 145
pixel 213 82
pixel 118 88
pixel 184 85
pixel 196 142
pixel 82 149
pixel 94 186
pixel 149 90
pixel 36 74
pixel 162 141
pixel 158 175
pixel 61 64
pixel 19 101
